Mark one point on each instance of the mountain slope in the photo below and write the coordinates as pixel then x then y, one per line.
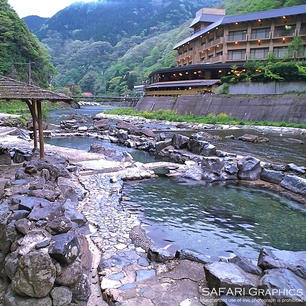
pixel 18 46
pixel 88 40
pixel 113 20
pixel 34 22
pixel 234 7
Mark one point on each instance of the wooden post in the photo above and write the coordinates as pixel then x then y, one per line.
pixel 32 108
pixel 41 131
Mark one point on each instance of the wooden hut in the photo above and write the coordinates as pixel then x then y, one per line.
pixel 11 89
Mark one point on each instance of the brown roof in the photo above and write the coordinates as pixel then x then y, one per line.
pixel 11 89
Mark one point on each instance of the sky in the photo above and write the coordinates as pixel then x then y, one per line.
pixel 42 8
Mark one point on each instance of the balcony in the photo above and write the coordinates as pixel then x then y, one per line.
pixel 235 57
pixel 214 42
pixel 233 38
pixel 216 59
pixel 285 31
pixel 260 36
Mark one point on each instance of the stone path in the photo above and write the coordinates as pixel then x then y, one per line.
pixel 127 278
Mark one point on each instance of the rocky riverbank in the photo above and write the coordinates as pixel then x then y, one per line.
pixel 44 254
pixel 202 159
pixel 126 265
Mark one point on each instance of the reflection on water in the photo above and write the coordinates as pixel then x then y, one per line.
pixel 216 220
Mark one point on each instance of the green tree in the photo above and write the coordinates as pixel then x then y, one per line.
pixel 18 46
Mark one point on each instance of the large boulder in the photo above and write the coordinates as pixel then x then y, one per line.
pixel 101 124
pixel 294 261
pixel 73 214
pixel 11 299
pixel 212 165
pixel 69 275
pixel 284 287
pixel 249 168
pixel 228 276
pixel 271 176
pixel 245 264
pixel 195 173
pixel 46 211
pixel 160 145
pixel 201 147
pixel 60 225
pixel 81 290
pixel 295 184
pixel 64 248
pixel 159 255
pixel 6 238
pixel 180 141
pixel 61 296
pixel 35 275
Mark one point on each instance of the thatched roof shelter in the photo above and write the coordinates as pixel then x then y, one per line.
pixel 11 89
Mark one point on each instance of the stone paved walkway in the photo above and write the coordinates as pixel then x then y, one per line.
pixel 127 278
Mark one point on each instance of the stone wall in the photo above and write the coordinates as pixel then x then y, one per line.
pixel 291 108
pixel 260 88
pixel 44 257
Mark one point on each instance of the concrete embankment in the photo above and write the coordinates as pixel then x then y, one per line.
pixel 291 108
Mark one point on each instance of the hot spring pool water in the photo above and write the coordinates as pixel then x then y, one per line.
pixel 216 220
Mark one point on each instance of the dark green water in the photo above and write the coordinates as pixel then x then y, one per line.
pixel 217 220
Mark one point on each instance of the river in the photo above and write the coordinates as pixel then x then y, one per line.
pixel 216 220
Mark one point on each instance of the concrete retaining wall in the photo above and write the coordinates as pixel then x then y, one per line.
pixel 291 108
pixel 259 88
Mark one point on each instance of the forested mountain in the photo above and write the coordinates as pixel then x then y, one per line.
pixel 18 46
pixel 109 45
pixel 234 7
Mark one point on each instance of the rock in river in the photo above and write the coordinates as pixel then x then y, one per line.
pixel 249 168
pixel 229 276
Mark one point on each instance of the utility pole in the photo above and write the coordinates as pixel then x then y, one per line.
pixel 29 72
pixel 29 64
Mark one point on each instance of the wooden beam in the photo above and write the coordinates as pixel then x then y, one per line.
pixel 32 108
pixel 41 131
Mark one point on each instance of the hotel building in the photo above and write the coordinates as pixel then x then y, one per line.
pixel 220 41
pixel 218 38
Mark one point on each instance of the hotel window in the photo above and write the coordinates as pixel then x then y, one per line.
pixel 237 35
pixel 203 41
pixel 211 38
pixel 259 53
pixel 219 53
pixel 190 63
pixel 285 30
pixel 280 51
pixel 236 54
pixel 210 56
pixel 303 29
pixel 190 48
pixel 260 33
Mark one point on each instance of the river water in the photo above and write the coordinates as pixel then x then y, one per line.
pixel 213 220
